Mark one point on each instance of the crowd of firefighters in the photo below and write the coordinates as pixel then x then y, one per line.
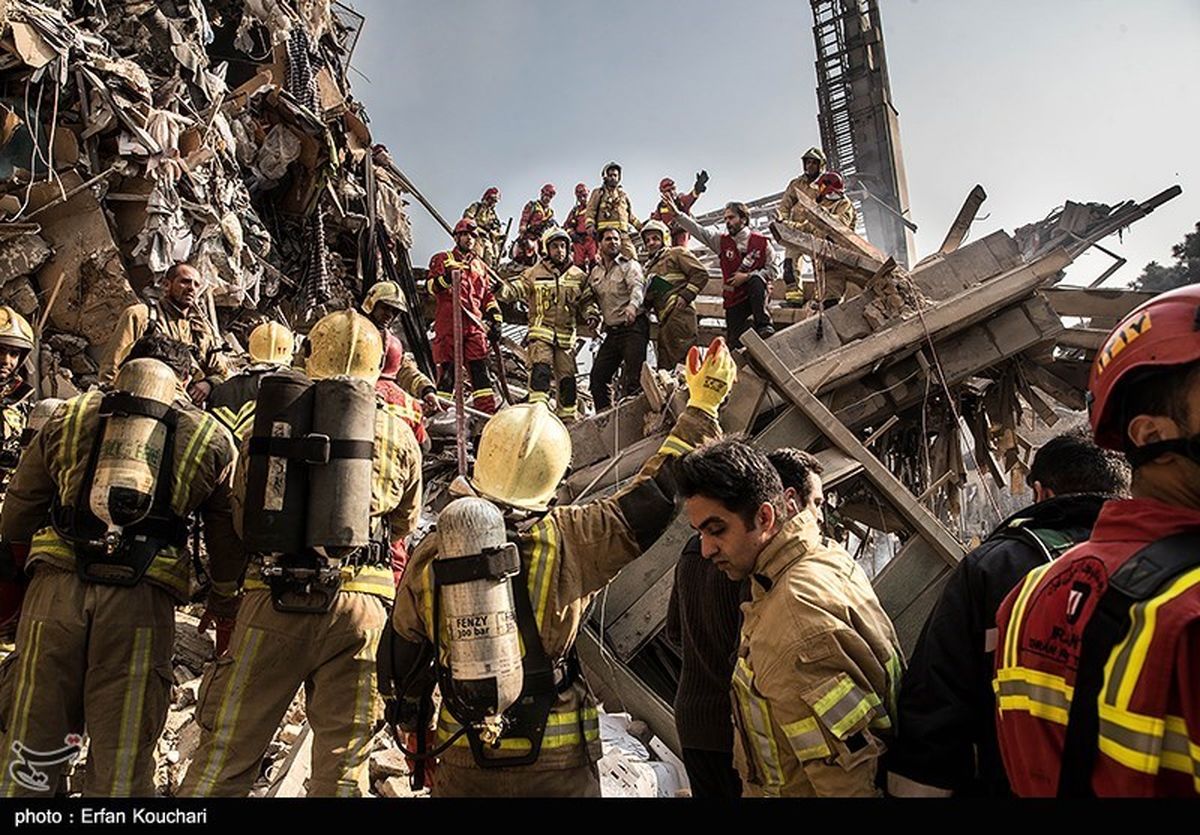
pixel 1061 657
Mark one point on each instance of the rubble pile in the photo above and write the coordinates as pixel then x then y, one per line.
pixel 136 133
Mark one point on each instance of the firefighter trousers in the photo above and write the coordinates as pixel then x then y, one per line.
pixel 246 693
pixel 551 367
pixel 477 385
pixel 88 657
pixel 675 336
pixel 454 781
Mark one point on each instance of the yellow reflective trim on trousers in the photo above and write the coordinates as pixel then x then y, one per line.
pixel 1124 667
pixel 137 679
pixel 357 744
pixel 18 723
pixel 228 711
pixel 562 730
pixel 1031 691
pixel 806 739
pixel 758 714
pixel 1017 615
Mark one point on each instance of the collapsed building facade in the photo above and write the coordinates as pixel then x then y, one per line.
pixel 134 134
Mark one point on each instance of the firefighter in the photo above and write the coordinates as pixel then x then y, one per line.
pixel 103 516
pixel 674 277
pixel 672 202
pixel 179 316
pixel 16 343
pixel 818 662
pixel 800 193
pixel 566 555
pixel 276 649
pixel 748 266
pixel 481 318
pixel 832 200
pixel 487 222
pixel 609 207
pixel 536 217
pixel 559 299
pixel 1097 652
pixel 232 402
pixel 583 245
pixel 947 740
pixel 401 382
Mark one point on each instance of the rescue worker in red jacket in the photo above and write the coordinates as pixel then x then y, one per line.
pixel 1098 654
pixel 673 202
pixel 536 218
pixel 401 383
pixel 583 245
pixel 481 319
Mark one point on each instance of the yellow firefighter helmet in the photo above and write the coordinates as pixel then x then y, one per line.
pixel 552 233
pixel 384 292
pixel 14 330
pixel 344 344
pixel 815 153
pixel 659 227
pixel 272 342
pixel 523 455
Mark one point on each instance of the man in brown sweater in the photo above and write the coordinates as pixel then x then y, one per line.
pixel 703 620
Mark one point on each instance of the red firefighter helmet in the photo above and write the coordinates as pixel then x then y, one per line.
pixel 1161 333
pixel 549 190
pixel 667 183
pixel 830 182
pixel 492 193
pixel 581 190
pixel 464 225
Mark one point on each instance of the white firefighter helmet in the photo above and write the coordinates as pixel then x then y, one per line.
pixel 272 342
pixel 523 454
pixel 384 292
pixel 551 234
pixel 659 227
pixel 14 330
pixel 344 343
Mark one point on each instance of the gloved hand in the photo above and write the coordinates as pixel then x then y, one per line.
pixel 222 624
pixel 709 380
pixel 494 331
pixel 701 183
pixel 429 398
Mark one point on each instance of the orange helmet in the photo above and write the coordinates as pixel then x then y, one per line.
pixel 831 182
pixel 1160 335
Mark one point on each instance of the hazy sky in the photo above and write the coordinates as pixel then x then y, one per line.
pixel 1040 102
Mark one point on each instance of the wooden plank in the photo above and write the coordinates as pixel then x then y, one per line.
pixel 642 620
pixel 1055 386
pixel 963 220
pixel 901 498
pixel 618 689
pixel 628 587
pixel 714 288
pixel 1084 301
pixel 714 309
pixel 1089 338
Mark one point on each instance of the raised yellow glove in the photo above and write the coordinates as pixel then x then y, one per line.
pixel 709 380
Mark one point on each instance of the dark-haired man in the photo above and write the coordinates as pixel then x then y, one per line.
pixel 818 662
pixel 702 620
pixel 748 266
pixel 947 739
pixel 179 316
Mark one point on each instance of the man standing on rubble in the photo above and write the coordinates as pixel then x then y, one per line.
pixel 947 737
pixel 674 277
pixel 487 222
pixel 478 305
pixel 703 620
pixel 818 664
pixel 800 193
pixel 609 207
pixel 558 299
pixel 583 244
pixel 271 347
pixel 673 202
pixel 748 266
pixel 567 554
pixel 1097 652
pixel 401 382
pixel 536 218
pixel 179 317
pixel 275 651
pixel 96 634
pixel 833 202
pixel 619 288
